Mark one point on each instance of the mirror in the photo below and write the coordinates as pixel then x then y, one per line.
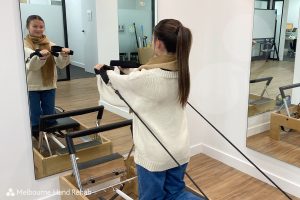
pixel 274 94
pixel 122 34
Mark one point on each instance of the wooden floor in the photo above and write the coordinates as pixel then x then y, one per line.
pixel 281 71
pixel 286 149
pixel 219 181
pixel 83 93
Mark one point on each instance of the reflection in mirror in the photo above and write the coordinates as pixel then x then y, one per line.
pixel 273 109
pixel 73 24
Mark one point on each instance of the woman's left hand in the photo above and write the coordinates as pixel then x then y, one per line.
pixel 65 52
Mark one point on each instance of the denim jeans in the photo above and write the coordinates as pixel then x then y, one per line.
pixel 41 103
pixel 164 185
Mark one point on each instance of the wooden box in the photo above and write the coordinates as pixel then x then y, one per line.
pixel 281 119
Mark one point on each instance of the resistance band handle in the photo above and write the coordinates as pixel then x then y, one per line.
pixel 268 79
pixel 124 64
pixel 45 118
pixel 56 49
pixel 281 89
pixel 82 133
pixel 36 53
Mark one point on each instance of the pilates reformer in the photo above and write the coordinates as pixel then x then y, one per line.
pixel 287 119
pixel 222 135
pixel 258 100
pixel 50 152
pixel 63 124
pixel 103 178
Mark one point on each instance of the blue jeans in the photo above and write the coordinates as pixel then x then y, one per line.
pixel 164 185
pixel 41 103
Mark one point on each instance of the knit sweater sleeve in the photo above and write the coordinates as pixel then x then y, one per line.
pixel 34 63
pixel 61 61
pixel 137 83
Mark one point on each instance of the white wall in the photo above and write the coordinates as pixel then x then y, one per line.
pixel 16 149
pixel 220 67
pixel 75 34
pixel 293 15
pixel 220 58
pixel 107 31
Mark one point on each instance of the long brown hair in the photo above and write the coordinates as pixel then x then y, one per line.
pixel 177 39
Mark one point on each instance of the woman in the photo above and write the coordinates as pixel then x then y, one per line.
pixel 41 70
pixel 158 92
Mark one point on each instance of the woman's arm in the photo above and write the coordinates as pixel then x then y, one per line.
pixel 62 60
pixel 33 63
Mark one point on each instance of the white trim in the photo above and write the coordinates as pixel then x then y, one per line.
pixel 78 64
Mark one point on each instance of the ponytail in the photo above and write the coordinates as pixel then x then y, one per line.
pixel 183 48
pixel 177 39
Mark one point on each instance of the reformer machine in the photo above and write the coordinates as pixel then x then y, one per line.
pixel 70 181
pixel 104 178
pixel 289 118
pixel 259 103
pixel 50 151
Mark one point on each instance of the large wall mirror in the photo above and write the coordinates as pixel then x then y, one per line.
pixel 77 39
pixel 274 109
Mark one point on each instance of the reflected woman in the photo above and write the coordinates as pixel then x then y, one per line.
pixel 41 70
pixel 158 92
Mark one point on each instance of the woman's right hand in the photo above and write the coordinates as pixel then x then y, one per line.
pixel 45 54
pixel 98 66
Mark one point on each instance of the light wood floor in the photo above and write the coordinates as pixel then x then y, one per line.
pixel 219 181
pixel 281 71
pixel 286 149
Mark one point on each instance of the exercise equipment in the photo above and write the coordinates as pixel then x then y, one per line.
pixel 222 135
pixel 103 178
pixel 50 152
pixel 261 99
pixel 289 118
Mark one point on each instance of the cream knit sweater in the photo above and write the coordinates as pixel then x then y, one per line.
pixel 153 94
pixel 34 66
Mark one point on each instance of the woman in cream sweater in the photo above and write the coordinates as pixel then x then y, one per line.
pixel 41 70
pixel 158 92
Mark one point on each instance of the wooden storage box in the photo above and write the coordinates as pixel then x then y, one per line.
pixel 281 119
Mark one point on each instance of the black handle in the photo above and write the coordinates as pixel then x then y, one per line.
pixel 45 118
pixel 281 89
pixel 268 79
pixel 124 64
pixel 56 49
pixel 82 133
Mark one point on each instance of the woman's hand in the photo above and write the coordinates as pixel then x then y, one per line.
pixel 98 66
pixel 45 54
pixel 65 52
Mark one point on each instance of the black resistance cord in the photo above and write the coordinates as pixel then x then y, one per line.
pixel 223 136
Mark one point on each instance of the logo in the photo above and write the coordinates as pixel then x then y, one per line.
pixel 10 193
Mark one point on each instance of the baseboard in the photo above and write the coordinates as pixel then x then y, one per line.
pixel 78 64
pixel 241 165
pixel 258 124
